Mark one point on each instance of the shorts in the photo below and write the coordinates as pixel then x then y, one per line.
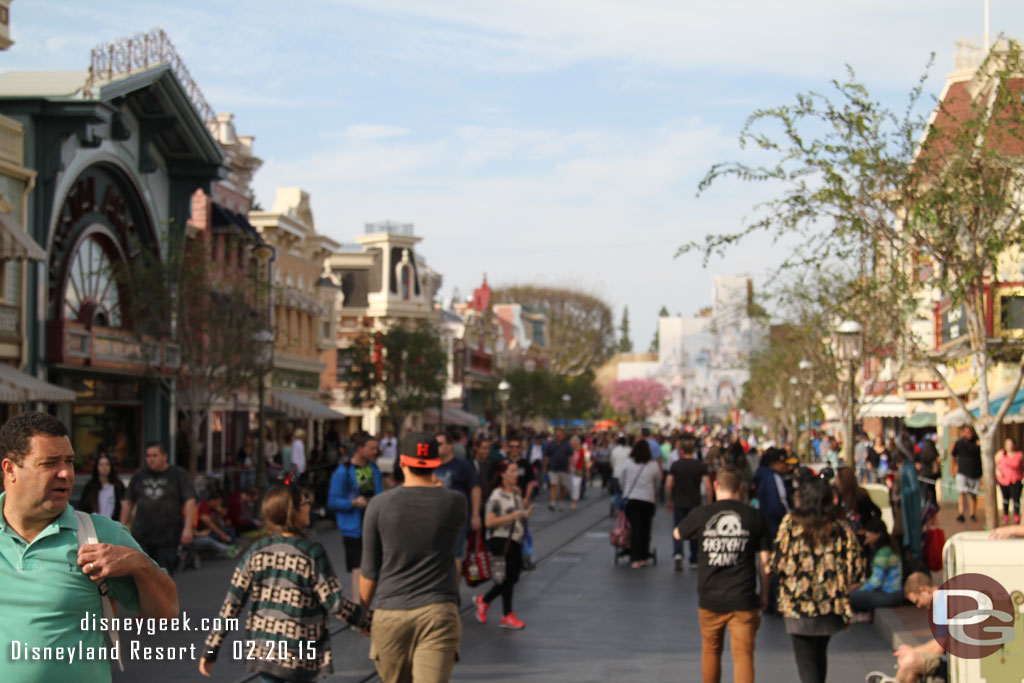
pixel 965 484
pixel 932 662
pixel 417 644
pixel 353 552
pixel 559 479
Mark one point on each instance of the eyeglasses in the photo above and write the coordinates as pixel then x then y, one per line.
pixel 306 501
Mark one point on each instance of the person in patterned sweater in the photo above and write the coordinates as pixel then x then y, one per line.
pixel 293 590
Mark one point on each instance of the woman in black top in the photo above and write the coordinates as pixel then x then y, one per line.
pixel 928 467
pixel 104 485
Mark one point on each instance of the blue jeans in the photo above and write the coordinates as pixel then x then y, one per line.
pixel 865 601
pixel 678 514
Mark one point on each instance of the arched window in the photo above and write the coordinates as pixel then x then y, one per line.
pixel 91 295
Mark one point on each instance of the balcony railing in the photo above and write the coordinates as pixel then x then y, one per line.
pixel 72 343
pixel 10 323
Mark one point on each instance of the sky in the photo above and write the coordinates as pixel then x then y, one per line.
pixel 557 142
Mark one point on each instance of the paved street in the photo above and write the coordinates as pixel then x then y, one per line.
pixel 583 618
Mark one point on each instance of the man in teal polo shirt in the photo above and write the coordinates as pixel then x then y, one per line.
pixel 49 583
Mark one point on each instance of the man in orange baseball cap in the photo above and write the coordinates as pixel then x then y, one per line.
pixel 408 564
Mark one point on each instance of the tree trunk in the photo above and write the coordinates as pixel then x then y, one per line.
pixel 987 442
pixel 194 418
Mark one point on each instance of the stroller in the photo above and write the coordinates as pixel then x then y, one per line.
pixel 621 539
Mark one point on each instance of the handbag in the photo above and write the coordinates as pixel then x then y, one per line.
pixel 477 567
pixel 621 532
pixel 499 562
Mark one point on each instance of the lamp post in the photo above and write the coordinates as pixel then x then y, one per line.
pixel 442 381
pixel 264 255
pixel 504 391
pixel 850 348
pixel 795 438
pixel 805 369
pixel 566 400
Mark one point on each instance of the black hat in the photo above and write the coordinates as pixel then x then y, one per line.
pixel 419 449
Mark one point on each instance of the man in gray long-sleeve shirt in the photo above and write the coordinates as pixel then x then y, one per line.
pixel 409 536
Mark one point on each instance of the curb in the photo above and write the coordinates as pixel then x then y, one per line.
pixel 906 625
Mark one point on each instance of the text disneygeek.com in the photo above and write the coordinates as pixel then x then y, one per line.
pixel 96 646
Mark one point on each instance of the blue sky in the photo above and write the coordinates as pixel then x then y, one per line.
pixel 549 141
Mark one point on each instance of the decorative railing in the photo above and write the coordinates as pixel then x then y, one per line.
pixel 10 322
pixel 390 228
pixel 143 51
pixel 76 344
pixel 12 146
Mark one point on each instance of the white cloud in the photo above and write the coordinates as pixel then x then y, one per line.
pixel 373 131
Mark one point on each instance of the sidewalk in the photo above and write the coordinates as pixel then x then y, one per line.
pixel 908 625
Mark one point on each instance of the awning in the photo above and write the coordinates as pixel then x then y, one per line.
pixel 955 418
pixel 453 416
pixel 889 406
pixel 223 217
pixel 15 243
pixel 919 420
pixel 299 406
pixel 28 389
pixel 1013 415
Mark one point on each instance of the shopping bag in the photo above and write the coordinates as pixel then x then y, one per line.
pixel 527 541
pixel 934 539
pixel 620 532
pixel 477 567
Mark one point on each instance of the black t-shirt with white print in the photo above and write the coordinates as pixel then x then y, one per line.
pixel 729 534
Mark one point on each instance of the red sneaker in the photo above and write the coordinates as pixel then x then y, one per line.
pixel 481 608
pixel 510 620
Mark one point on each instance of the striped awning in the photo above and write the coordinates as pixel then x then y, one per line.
pixel 302 407
pixel 15 243
pixel 886 406
pixel 20 387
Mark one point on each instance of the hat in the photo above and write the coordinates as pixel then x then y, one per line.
pixel 419 449
pixel 773 455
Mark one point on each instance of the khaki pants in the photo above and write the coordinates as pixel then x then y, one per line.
pixel 416 645
pixel 743 626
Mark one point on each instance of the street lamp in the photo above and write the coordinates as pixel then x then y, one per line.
pixel 850 348
pixel 264 255
pixel 442 380
pixel 795 436
pixel 504 391
pixel 566 400
pixel 805 368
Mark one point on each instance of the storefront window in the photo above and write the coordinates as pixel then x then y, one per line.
pixel 112 429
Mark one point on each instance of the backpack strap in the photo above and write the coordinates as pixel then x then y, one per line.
pixel 87 535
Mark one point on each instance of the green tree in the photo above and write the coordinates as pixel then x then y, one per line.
pixel 625 343
pixel 580 325
pixel 211 312
pixel 902 210
pixel 656 341
pixel 399 370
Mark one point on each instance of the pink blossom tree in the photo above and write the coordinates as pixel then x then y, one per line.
pixel 636 398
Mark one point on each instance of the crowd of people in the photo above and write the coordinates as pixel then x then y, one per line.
pixel 769 537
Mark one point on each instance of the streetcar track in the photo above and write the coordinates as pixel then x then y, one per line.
pixel 468 609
